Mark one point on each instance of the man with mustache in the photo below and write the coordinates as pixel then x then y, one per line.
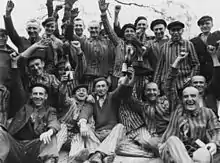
pixel 176 45
pixel 189 125
pixel 205 24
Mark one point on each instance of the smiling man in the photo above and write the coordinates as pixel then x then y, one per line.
pixel 31 134
pixel 188 124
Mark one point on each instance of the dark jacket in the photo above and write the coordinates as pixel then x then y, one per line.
pixel 47 119
pixel 206 64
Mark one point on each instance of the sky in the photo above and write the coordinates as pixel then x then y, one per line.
pixel 27 9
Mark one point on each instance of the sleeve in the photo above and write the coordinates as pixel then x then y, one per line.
pixel 194 60
pixel 86 113
pixel 4 103
pixel 170 88
pixel 136 105
pixel 81 66
pixel 159 68
pixel 15 38
pixel 112 35
pixel 53 123
pixel 213 129
pixel 117 30
pixel 122 92
pixel 214 86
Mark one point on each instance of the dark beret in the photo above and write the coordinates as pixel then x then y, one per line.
pixel 48 20
pixel 39 85
pixel 100 79
pixel 127 26
pixel 203 19
pixel 156 22
pixel 3 31
pixel 175 24
pixel 80 86
pixel 38 54
pixel 138 19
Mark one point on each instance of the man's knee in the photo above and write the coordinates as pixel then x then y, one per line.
pixel 202 155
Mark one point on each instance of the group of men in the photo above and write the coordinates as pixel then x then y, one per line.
pixel 118 88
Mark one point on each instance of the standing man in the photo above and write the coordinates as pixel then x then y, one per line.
pixel 205 24
pixel 32 27
pixel 170 50
pixel 158 26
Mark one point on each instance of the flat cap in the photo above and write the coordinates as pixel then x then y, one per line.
pixel 38 54
pixel 138 19
pixel 203 19
pixel 127 26
pixel 175 24
pixel 156 22
pixel 100 79
pixel 48 20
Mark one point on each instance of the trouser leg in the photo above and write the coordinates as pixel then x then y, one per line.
pixel 174 150
pixel 108 145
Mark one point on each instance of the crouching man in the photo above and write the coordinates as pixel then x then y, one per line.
pixel 31 134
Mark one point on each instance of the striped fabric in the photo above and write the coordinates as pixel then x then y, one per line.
pixel 4 101
pixel 202 124
pixel 156 116
pixel 188 68
pixel 99 54
pixel 131 120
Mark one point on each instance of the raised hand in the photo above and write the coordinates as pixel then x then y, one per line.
pixel 103 6
pixel 9 7
pixel 117 9
pixel 14 57
pixel 58 7
pixel 77 46
pixel 183 54
pixel 74 13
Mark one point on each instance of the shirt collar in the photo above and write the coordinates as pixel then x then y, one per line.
pixel 180 42
pixel 194 113
pixel 164 38
pixel 98 97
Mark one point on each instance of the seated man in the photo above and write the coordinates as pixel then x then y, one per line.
pixel 70 138
pixel 108 132
pixel 188 124
pixel 30 135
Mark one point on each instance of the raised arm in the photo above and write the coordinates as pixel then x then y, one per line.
pixel 112 35
pixel 15 38
pixel 194 60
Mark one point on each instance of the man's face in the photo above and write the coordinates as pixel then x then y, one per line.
pixel 151 91
pixel 159 31
pixel 50 28
pixel 33 29
pixel 176 33
pixel 94 29
pixel 142 24
pixel 129 33
pixel 101 88
pixel 206 26
pixel 61 70
pixel 79 27
pixel 3 39
pixel 38 96
pixel 36 67
pixel 190 98
pixel 199 83
pixel 81 94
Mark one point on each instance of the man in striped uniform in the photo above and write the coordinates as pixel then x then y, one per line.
pixel 189 125
pixel 169 51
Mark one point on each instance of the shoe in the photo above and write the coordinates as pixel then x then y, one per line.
pixel 109 159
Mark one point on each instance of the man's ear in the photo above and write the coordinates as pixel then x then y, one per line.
pixel 43 63
pixel 46 96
